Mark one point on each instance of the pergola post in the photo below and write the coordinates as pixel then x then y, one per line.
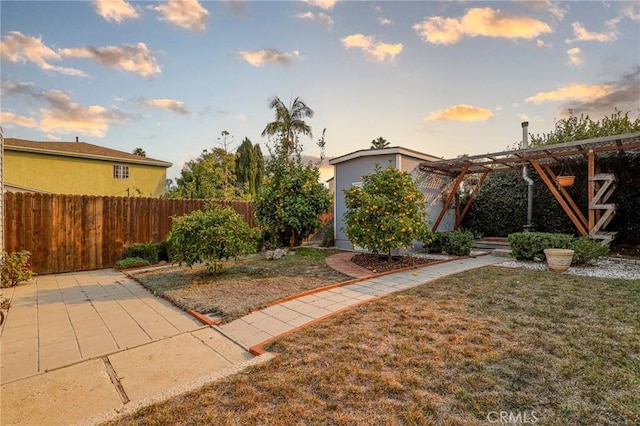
pixel 452 194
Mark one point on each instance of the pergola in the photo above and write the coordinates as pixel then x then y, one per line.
pixel 542 159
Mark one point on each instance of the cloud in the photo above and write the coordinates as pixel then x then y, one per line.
pixel 485 22
pixel 8 119
pixel 461 113
pixel 582 34
pixel 375 50
pixel 238 7
pixel 134 58
pixel 115 10
pixel 258 58
pixel 575 56
pixel 17 47
pixel 384 21
pixel 321 18
pixel 322 4
pixel 631 10
pixel 170 104
pixel 187 14
pixel 550 6
pixel 597 99
pixel 573 92
pixel 63 115
pixel 541 44
pixel 523 116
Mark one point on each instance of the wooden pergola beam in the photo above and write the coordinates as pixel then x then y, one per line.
pixel 452 194
pixel 568 210
pixel 566 195
pixel 468 205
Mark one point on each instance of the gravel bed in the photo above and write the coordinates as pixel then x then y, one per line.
pixel 600 268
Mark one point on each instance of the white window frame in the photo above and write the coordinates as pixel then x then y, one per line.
pixel 121 171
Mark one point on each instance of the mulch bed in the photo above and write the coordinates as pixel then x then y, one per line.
pixel 379 263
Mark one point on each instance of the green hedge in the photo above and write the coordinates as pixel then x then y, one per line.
pixel 531 245
pixel 152 252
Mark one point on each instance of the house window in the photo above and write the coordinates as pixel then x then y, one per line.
pixel 120 171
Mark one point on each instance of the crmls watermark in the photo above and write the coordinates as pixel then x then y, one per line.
pixel 510 417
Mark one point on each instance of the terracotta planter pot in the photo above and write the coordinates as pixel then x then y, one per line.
pixel 566 181
pixel 558 260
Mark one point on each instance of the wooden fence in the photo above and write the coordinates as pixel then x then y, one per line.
pixel 67 233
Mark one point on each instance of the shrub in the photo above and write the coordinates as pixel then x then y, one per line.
pixel 14 268
pixel 458 242
pixel 211 235
pixel 147 251
pixel 131 262
pixel 531 245
pixel 329 239
pixel 387 212
pixel 586 250
pixel 437 243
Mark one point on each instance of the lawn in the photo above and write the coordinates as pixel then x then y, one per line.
pixel 243 285
pixel 537 346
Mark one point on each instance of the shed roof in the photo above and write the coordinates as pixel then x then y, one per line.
pixel 80 150
pixel 384 151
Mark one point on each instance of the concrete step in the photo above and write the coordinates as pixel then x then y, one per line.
pixel 501 253
pixel 491 245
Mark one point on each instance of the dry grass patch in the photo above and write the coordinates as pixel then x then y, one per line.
pixel 243 285
pixel 562 348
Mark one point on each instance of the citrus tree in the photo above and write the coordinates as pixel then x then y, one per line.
pixel 387 212
pixel 291 198
pixel 209 236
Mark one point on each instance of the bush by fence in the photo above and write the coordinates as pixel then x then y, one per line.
pixel 72 233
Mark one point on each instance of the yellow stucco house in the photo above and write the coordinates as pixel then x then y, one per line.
pixel 80 168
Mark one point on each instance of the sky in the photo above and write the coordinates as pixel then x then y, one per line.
pixel 443 78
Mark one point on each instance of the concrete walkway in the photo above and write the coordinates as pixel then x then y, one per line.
pixel 264 325
pixel 78 345
pixel 83 348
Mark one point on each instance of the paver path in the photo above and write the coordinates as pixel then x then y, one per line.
pixel 273 321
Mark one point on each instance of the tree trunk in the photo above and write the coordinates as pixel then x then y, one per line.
pixel 292 241
pixel 389 258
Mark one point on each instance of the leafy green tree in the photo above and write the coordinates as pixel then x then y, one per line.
pixel 211 235
pixel 208 176
pixel 289 121
pixel 379 143
pixel 291 198
pixel 387 212
pixel 139 151
pixel 249 166
pixel 575 128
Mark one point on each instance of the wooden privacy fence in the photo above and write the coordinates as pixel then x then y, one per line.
pixel 67 233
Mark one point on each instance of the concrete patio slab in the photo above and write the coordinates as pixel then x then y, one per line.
pixel 63 396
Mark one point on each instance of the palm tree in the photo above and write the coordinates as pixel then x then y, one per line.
pixel 289 121
pixel 140 152
pixel 379 143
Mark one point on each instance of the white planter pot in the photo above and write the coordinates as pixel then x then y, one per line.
pixel 558 260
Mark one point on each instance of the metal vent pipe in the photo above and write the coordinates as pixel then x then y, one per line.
pixel 525 175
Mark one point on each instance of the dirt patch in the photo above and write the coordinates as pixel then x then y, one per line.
pixel 242 286
pixel 379 263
